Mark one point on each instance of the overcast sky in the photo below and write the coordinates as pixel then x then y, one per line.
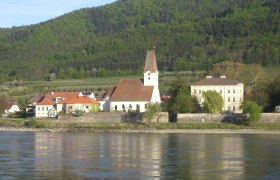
pixel 26 12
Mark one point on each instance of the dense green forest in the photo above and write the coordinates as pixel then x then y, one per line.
pixel 113 39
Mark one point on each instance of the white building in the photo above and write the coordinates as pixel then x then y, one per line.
pixel 9 106
pixel 134 94
pixel 232 91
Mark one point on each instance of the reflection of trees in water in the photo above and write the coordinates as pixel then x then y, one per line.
pixel 135 155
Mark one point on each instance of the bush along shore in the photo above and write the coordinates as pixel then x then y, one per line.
pixel 62 126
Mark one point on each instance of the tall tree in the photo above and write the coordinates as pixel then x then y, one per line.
pixel 213 102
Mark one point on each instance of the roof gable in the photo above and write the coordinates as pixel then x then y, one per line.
pixel 7 103
pixel 132 90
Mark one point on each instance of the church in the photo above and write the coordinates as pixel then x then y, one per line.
pixel 135 94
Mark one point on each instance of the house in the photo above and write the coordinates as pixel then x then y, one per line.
pixel 104 99
pixel 79 103
pixel 232 91
pixel 135 94
pixel 8 106
pixel 43 107
pixel 30 109
pixel 54 102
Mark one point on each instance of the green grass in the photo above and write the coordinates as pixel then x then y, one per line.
pixel 54 124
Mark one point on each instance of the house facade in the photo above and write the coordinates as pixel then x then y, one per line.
pixel 54 102
pixel 9 106
pixel 232 91
pixel 79 103
pixel 43 107
pixel 135 94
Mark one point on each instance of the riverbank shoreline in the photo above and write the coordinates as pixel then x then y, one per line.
pixel 153 131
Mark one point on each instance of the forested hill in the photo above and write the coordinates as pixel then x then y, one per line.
pixel 186 34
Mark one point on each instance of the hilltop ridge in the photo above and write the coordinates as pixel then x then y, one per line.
pixel 113 39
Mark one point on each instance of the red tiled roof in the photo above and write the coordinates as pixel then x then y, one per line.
pixel 132 90
pixel 151 62
pixel 62 94
pixel 216 81
pixel 46 102
pixel 79 100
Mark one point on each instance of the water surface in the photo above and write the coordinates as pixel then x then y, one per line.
pixel 42 155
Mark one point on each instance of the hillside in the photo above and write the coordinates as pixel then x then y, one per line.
pixel 113 39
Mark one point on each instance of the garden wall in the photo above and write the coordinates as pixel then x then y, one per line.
pixel 187 118
pixel 115 117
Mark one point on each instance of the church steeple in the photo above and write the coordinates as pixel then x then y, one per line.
pixel 151 70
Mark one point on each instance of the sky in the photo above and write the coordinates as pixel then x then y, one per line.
pixel 27 12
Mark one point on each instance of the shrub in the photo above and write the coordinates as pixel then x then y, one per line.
pixel 151 111
pixel 79 113
pixel 252 111
pixel 31 123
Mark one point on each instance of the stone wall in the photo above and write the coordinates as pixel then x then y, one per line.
pixel 270 118
pixel 114 117
pixel 188 118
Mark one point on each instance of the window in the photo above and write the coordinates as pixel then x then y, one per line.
pixel 233 90
pixel 116 107
pixel 199 91
pixel 228 108
pixel 137 107
pixel 123 107
pixel 38 108
pixel 42 108
pixel 233 108
pixel 130 106
pixel 233 99
pixel 221 91
pixel 228 99
pixel 86 107
pixel 47 108
pixel 228 90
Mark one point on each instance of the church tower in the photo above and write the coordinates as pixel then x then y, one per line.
pixel 151 70
pixel 151 75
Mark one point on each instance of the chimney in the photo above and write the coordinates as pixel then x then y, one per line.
pixel 208 77
pixel 224 77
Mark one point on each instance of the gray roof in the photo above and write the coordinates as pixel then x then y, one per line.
pixel 216 82
pixel 151 62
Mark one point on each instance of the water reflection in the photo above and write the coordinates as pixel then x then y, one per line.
pixel 139 156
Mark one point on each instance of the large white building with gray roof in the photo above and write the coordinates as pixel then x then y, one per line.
pixel 232 91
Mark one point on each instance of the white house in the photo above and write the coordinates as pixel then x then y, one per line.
pixel 43 107
pixel 135 94
pixel 232 91
pixel 9 106
pixel 80 103
pixel 55 102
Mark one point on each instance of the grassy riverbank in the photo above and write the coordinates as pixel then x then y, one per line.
pixel 91 126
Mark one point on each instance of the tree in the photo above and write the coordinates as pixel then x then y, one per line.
pixel 213 102
pixel 151 111
pixel 252 111
pixel 274 93
pixel 183 103
pixel 51 77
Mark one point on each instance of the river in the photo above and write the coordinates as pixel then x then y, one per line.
pixel 45 155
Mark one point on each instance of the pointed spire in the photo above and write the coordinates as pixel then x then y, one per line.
pixel 151 62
